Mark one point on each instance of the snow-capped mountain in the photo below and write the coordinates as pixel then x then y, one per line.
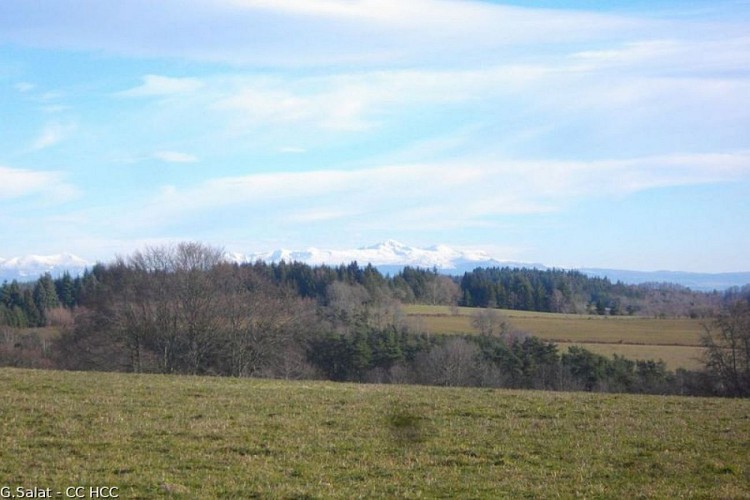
pixel 389 257
pixel 31 267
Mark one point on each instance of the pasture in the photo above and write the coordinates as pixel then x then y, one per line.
pixel 155 436
pixel 676 341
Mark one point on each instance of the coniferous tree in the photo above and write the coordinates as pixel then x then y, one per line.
pixel 65 291
pixel 33 316
pixel 45 297
pixel 12 295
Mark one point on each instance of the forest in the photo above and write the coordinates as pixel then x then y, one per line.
pixel 183 309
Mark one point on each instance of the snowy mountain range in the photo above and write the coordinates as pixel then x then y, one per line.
pixel 389 257
pixel 30 267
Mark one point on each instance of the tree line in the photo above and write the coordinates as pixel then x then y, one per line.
pixel 553 290
pixel 31 304
pixel 562 291
pixel 185 310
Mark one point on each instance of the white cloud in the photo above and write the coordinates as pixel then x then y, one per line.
pixel 17 183
pixel 52 134
pixel 425 112
pixel 258 31
pixel 55 108
pixel 675 56
pixel 666 83
pixel 24 87
pixel 175 157
pixel 440 195
pixel 292 150
pixel 447 18
pixel 319 215
pixel 354 102
pixel 326 8
pixel 336 109
pixel 160 86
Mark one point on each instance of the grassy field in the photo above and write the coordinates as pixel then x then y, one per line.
pixel 687 357
pixel 189 437
pixel 674 340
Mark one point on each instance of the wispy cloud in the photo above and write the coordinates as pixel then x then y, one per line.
pixel 55 108
pixel 175 157
pixel 366 32
pixel 361 33
pixel 418 115
pixel 18 183
pixel 319 215
pixel 626 89
pixel 449 194
pixel 337 108
pixel 24 87
pixel 52 134
pixel 159 86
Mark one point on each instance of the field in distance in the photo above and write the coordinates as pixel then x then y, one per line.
pixel 676 341
pixel 157 436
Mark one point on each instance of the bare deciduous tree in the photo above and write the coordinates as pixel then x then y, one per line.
pixel 727 343
pixel 442 290
pixel 490 322
pixel 451 364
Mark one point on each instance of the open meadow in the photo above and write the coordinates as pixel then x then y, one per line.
pixel 676 341
pixel 191 437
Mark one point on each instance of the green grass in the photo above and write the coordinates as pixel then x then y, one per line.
pixel 674 340
pixel 189 437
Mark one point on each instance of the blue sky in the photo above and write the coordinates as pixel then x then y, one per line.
pixel 582 133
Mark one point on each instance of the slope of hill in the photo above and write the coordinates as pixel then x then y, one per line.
pixel 153 436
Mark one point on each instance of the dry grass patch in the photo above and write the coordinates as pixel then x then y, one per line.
pixel 687 357
pixel 674 340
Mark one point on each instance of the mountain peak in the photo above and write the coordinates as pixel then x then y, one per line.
pixel 388 245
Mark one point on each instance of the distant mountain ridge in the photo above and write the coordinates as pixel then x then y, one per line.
pixel 389 257
pixel 31 267
pixel 702 282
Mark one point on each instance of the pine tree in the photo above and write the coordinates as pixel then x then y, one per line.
pixel 33 316
pixel 40 301
pixel 385 348
pixel 45 296
pixel 12 295
pixel 5 313
pixel 361 355
pixel 18 318
pixel 64 287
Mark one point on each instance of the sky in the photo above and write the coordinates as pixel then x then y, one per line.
pixel 578 134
